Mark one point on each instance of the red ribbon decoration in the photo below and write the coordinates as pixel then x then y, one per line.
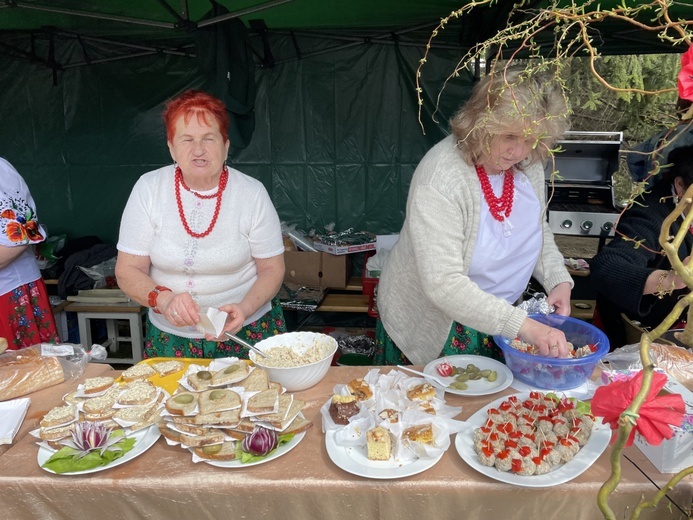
pixel 656 414
pixel 685 83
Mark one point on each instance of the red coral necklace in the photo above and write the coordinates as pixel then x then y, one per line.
pixel 500 207
pixel 220 190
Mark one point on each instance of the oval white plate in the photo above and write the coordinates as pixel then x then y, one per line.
pixel 281 450
pixel 479 387
pixel 588 454
pixel 353 459
pixel 145 440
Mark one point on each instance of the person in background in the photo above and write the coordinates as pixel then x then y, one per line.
pixel 475 231
pixel 26 317
pixel 638 281
pixel 198 234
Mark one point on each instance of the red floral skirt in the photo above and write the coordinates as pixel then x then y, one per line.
pixel 26 317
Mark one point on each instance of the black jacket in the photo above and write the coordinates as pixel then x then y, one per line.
pixel 619 271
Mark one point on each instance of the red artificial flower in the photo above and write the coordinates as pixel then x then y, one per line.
pixel 685 83
pixel 8 214
pixel 656 414
pixel 16 232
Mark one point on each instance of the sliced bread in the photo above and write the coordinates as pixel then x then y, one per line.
pixel 168 433
pixel 135 413
pixel 165 368
pixel 95 385
pixel 201 380
pixel 182 403
pixel 263 402
pixel 223 451
pixel 298 425
pixel 219 399
pixel 139 371
pixel 257 381
pixel 138 392
pixel 99 404
pixel 192 429
pixel 55 434
pixel 277 418
pixel 101 416
pixel 58 416
pixel 212 436
pixel 227 418
pixel 231 374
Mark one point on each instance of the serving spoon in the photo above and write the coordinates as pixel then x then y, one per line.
pixel 245 344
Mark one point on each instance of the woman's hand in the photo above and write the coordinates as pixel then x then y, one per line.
pixel 178 309
pixel 559 297
pixel 234 322
pixel 551 342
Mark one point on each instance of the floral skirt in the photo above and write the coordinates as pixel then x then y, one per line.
pixel 26 317
pixel 162 344
pixel 461 340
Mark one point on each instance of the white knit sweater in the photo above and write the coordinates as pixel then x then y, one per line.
pixel 217 269
pixel 424 285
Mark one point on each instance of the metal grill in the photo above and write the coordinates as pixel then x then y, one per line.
pixel 581 196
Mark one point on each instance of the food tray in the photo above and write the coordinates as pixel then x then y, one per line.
pixel 170 382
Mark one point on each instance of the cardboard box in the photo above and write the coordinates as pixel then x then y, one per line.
pixel 346 248
pixel 676 453
pixel 317 269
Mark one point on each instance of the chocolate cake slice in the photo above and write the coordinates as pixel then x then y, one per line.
pixel 343 407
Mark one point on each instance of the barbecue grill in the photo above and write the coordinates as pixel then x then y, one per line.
pixel 581 195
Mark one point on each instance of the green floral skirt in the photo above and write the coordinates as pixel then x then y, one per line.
pixel 461 340
pixel 162 344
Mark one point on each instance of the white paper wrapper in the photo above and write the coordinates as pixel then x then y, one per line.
pixel 212 321
pixel 390 392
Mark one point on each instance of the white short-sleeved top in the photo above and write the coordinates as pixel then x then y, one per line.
pixel 217 269
pixel 18 227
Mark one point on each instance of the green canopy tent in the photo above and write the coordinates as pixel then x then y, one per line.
pixel 322 93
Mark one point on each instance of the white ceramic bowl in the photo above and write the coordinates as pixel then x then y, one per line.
pixel 302 376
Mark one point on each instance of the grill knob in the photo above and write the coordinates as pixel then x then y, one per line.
pixel 607 226
pixel 586 225
pixel 566 224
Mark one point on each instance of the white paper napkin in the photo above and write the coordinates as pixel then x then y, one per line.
pixel 212 322
pixel 12 415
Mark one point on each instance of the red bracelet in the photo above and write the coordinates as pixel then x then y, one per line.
pixel 151 299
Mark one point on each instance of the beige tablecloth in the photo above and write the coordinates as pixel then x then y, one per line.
pixel 164 483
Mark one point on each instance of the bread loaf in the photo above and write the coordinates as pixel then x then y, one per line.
pixel 25 371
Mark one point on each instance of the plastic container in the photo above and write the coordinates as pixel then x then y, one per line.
pixel 367 283
pixel 552 373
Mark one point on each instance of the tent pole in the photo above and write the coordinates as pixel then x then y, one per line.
pixel 242 12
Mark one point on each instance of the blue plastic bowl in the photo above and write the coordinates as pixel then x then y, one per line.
pixel 553 373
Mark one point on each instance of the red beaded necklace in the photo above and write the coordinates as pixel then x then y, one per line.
pixel 220 189
pixel 500 207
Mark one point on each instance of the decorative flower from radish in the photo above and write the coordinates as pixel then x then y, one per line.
pixel 444 368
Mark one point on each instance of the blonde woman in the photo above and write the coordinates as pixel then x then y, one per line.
pixel 475 231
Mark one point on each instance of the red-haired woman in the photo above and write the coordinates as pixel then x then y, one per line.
pixel 198 234
pixel 25 312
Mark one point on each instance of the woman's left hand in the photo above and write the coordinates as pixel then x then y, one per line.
pixel 559 297
pixel 234 321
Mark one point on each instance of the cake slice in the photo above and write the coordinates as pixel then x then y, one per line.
pixel 420 433
pixel 378 444
pixel 342 408
pixel 421 392
pixel 360 389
